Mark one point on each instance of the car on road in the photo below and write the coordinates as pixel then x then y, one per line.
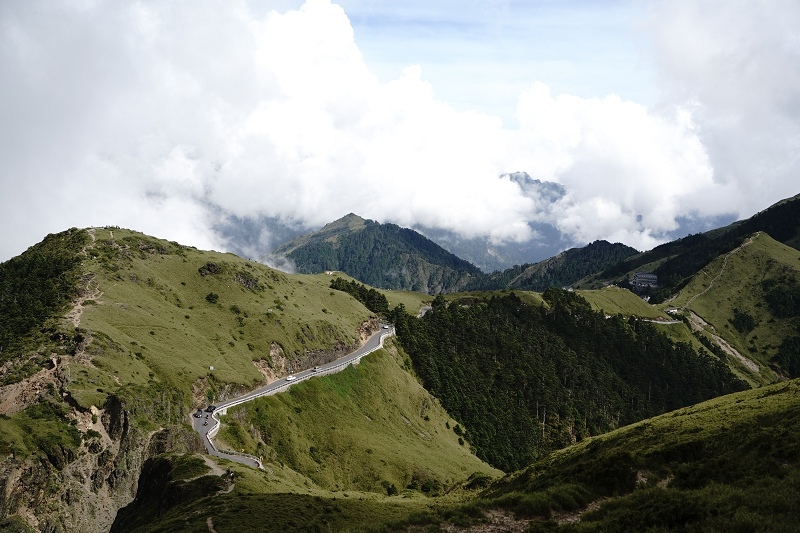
pixel 199 413
pixel 385 327
pixel 290 378
pixel 316 369
pixel 210 408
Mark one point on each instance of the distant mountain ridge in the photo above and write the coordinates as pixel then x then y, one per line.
pixel 676 262
pixel 391 257
pixel 561 270
pixel 382 255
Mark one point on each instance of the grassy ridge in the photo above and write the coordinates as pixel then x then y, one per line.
pixel 148 332
pixel 168 313
pixel 733 284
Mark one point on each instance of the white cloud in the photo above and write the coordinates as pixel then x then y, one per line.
pixel 739 67
pixel 627 171
pixel 165 117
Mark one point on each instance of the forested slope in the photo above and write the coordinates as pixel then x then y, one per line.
pixel 34 287
pixel 524 380
pixel 380 255
pixel 559 271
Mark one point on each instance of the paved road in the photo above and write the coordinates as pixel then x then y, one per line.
pixel 207 432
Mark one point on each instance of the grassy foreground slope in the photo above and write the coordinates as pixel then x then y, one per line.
pixel 728 464
pixel 111 337
pixel 355 451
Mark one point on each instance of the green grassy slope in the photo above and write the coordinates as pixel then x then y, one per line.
pixel 366 428
pixel 149 333
pixel 335 448
pixel 732 285
pixel 728 464
pixel 152 317
pixel 614 300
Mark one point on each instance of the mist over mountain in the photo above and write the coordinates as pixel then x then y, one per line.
pixel 257 237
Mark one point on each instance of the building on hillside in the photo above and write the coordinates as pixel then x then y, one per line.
pixel 644 280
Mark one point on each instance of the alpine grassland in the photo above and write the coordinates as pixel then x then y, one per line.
pixel 614 300
pixel 144 330
pixel 169 313
pixel 738 297
pixel 107 312
pixel 371 427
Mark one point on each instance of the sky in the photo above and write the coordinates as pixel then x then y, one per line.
pixel 170 117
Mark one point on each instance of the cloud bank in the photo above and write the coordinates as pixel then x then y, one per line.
pixel 170 117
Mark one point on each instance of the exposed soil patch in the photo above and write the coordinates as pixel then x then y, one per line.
pixel 698 324
pixel 575 516
pixel 499 521
pixel 18 396
pixel 91 292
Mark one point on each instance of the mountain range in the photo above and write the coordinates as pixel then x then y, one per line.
pixel 585 409
pixel 390 257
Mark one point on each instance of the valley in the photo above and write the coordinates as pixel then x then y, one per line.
pixel 585 409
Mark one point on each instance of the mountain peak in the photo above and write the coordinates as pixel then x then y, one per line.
pixel 381 255
pixel 349 222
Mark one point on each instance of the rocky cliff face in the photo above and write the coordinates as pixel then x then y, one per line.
pixel 65 490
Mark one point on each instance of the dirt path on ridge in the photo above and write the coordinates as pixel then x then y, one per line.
pixel 746 243
pixel 698 324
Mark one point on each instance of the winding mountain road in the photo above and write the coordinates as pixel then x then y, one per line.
pixel 207 432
